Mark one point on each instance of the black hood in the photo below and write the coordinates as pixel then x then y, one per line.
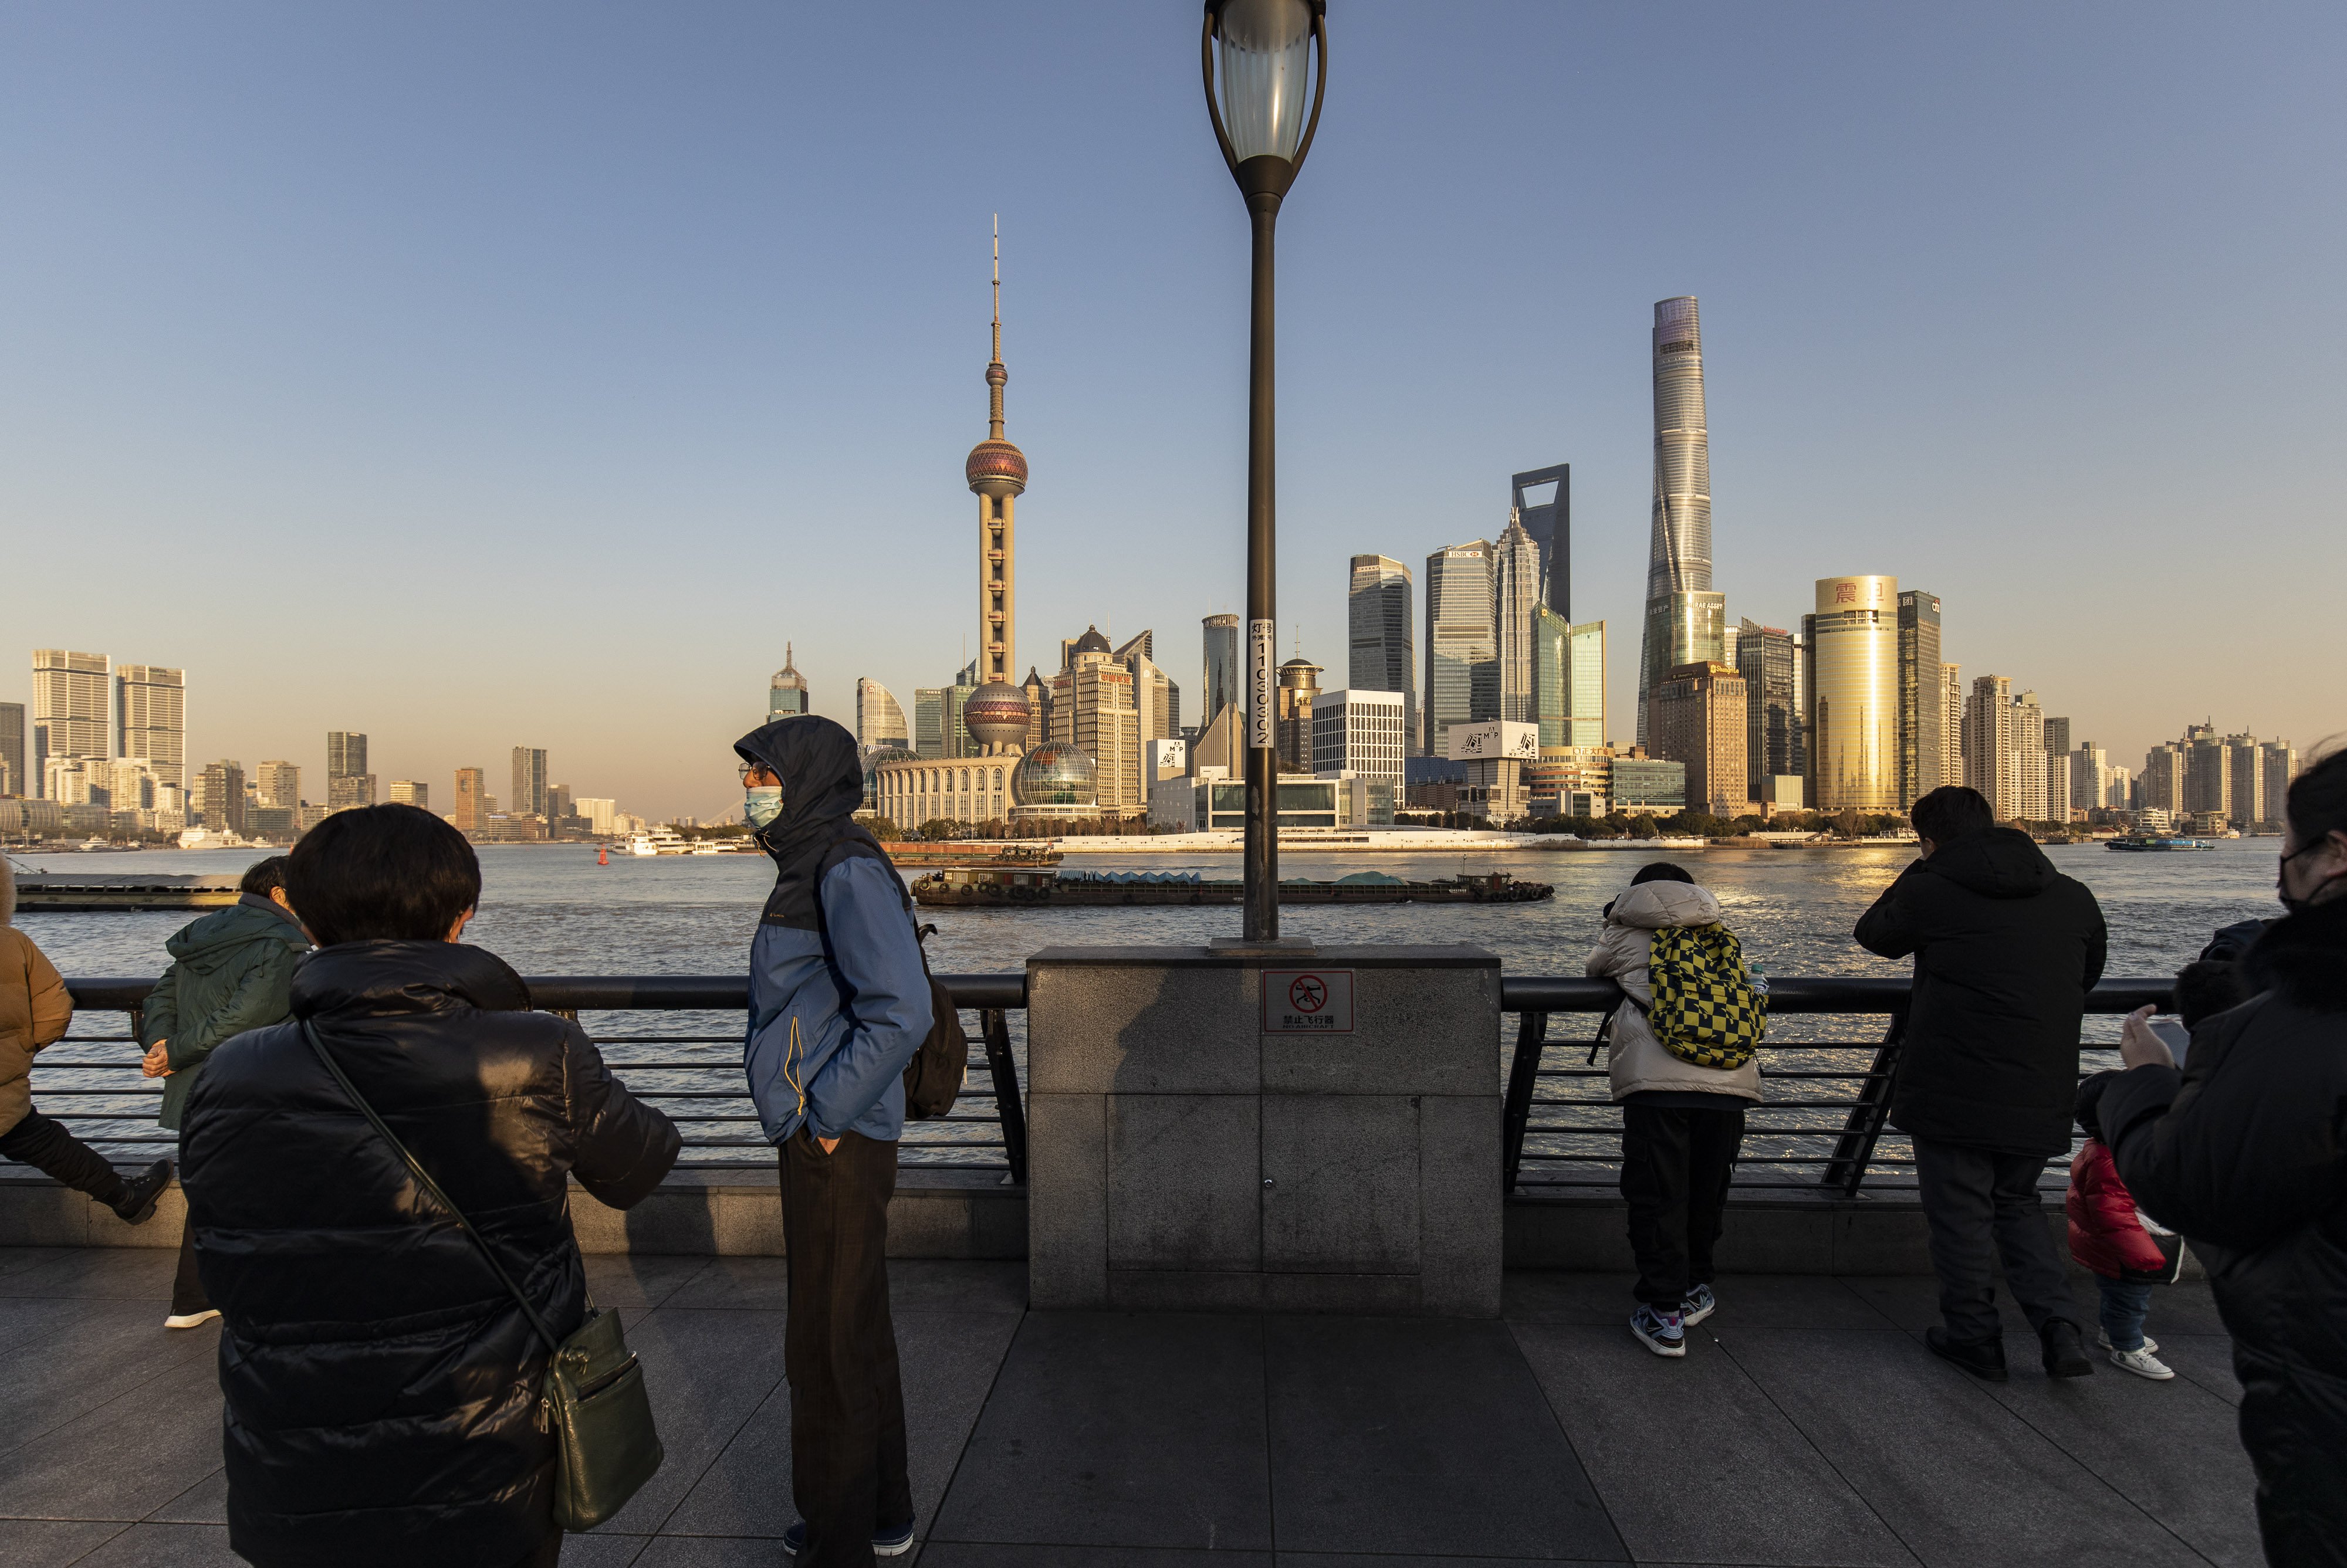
pixel 2303 957
pixel 823 789
pixel 2003 863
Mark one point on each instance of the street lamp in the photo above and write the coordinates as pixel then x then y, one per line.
pixel 1261 122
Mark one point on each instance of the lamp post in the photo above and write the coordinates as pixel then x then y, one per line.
pixel 1262 124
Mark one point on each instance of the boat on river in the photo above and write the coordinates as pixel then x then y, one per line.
pixel 968 855
pixel 1021 887
pixel 91 893
pixel 2140 843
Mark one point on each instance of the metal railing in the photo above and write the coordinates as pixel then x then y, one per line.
pixel 1819 1127
pixel 691 1071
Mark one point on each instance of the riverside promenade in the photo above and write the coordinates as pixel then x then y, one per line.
pixel 1807 1426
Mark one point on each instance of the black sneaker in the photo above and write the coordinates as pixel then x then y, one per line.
pixel 137 1206
pixel 2065 1351
pixel 1984 1358
pixel 887 1543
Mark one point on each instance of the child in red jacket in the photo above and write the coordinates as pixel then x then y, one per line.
pixel 2108 1237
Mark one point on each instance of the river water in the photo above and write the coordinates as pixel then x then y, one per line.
pixel 552 910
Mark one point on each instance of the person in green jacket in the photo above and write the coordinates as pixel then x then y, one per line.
pixel 230 971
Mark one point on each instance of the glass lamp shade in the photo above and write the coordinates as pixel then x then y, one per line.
pixel 1267 48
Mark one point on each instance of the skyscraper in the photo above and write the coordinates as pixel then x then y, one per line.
pixel 1772 723
pixel 1515 590
pixel 1699 719
pixel 69 709
pixel 2280 767
pixel 1952 722
pixel 1384 656
pixel 1156 700
pixel 1550 523
pixel 1685 622
pixel 1853 727
pixel 411 791
pixel 471 800
pixel 1224 670
pixel 996 715
pixel 879 722
pixel 151 719
pixel 1462 651
pixel 786 694
pixel 12 750
pixel 2030 794
pixel 928 722
pixel 222 786
pixel 1988 745
pixel 528 797
pixel 280 785
pixel 1092 708
pixel 1568 683
pixel 1922 707
pixel 348 782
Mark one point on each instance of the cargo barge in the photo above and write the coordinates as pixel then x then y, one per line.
pixel 1013 888
pixel 75 893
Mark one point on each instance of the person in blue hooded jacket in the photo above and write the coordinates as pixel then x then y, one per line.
pixel 839 1003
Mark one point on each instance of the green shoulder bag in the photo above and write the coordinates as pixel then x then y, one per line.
pixel 593 1399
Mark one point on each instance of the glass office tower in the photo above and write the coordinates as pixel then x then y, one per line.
pixel 1463 651
pixel 1383 652
pixel 1922 708
pixel 1685 622
pixel 1854 695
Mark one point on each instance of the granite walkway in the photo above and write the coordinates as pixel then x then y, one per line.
pixel 1806 1425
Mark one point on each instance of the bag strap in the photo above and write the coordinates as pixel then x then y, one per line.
pixel 423 1179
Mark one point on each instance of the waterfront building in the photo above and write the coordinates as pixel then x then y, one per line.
pixel 1299 683
pixel 2245 779
pixel 1685 622
pixel 1463 652
pixel 1217 801
pixel 528 797
pixel 1515 595
pixel 1156 700
pixel 348 782
pixel 1165 779
pixel 1498 755
pixel 151 719
pixel 411 791
pixel 880 721
pixel 2160 786
pixel 996 715
pixel 1584 722
pixel 278 783
pixel 1552 677
pixel 1853 722
pixel 2205 780
pixel 1698 717
pixel 11 751
pixel 2090 778
pixel 1772 719
pixel 1644 785
pixel 129 783
pixel 1550 523
pixel 2029 782
pixel 1057 781
pixel 70 709
pixel 1225 670
pixel 786 694
pixel 1361 733
pixel 1988 744
pixel 2280 766
pixel 928 720
pixel 1951 733
pixel 601 814
pixel 71 781
pixel 472 814
pixel 1220 744
pixel 1383 652
pixel 1093 711
pixel 217 799
pixel 1922 712
pixel 910 791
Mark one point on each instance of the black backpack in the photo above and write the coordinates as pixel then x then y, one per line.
pixel 933 1079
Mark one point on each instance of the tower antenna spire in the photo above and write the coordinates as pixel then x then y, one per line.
pixel 995 374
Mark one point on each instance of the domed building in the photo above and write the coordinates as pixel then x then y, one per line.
pixel 1056 782
pixel 876 759
pixel 909 790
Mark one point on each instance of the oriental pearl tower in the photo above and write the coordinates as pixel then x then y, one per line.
pixel 996 712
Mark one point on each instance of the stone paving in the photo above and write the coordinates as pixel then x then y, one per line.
pixel 1806 1425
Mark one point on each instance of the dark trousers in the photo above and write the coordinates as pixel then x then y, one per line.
pixel 2294 1426
pixel 1971 1197
pixel 839 1348
pixel 188 1296
pixel 2125 1306
pixel 43 1143
pixel 1675 1165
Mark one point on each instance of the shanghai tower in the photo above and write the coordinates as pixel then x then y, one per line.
pixel 1685 622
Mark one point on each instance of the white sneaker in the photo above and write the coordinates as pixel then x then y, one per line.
pixel 191 1319
pixel 2103 1339
pixel 2142 1363
pixel 1663 1333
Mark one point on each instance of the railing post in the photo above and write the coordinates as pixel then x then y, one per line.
pixel 1523 1074
pixel 994 1025
pixel 1864 1127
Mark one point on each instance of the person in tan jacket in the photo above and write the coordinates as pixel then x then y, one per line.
pixel 34 1012
pixel 1681 1123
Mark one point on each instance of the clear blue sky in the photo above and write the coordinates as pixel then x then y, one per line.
pixel 530 373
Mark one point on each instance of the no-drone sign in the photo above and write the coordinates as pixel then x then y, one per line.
pixel 1308 1001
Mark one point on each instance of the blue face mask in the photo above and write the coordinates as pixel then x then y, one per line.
pixel 762 804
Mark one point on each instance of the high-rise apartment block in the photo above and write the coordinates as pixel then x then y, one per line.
pixel 1952 720
pixel 472 814
pixel 2031 801
pixel 2160 786
pixel 1382 647
pixel 279 784
pixel 1988 745
pixel 1922 712
pixel 1462 649
pixel 1224 668
pixel 151 719
pixel 219 797
pixel 411 791
pixel 1853 725
pixel 1773 720
pixel 2280 766
pixel 1515 595
pixel 69 709
pixel 1685 622
pixel 1542 499
pixel 11 751
pixel 1698 714
pixel 529 776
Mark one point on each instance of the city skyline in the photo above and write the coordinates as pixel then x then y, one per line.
pixel 1992 363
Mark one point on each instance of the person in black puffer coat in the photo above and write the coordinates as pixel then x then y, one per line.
pixel 380 1384
pixel 2007 948
pixel 2245 1151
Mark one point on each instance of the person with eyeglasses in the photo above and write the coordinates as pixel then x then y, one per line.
pixel 2244 1151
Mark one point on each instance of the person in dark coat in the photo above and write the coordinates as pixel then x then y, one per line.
pixel 2242 1151
pixel 2005 949
pixel 380 1385
pixel 839 1003
pixel 231 970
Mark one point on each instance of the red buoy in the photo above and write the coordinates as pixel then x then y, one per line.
pixel 602 855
